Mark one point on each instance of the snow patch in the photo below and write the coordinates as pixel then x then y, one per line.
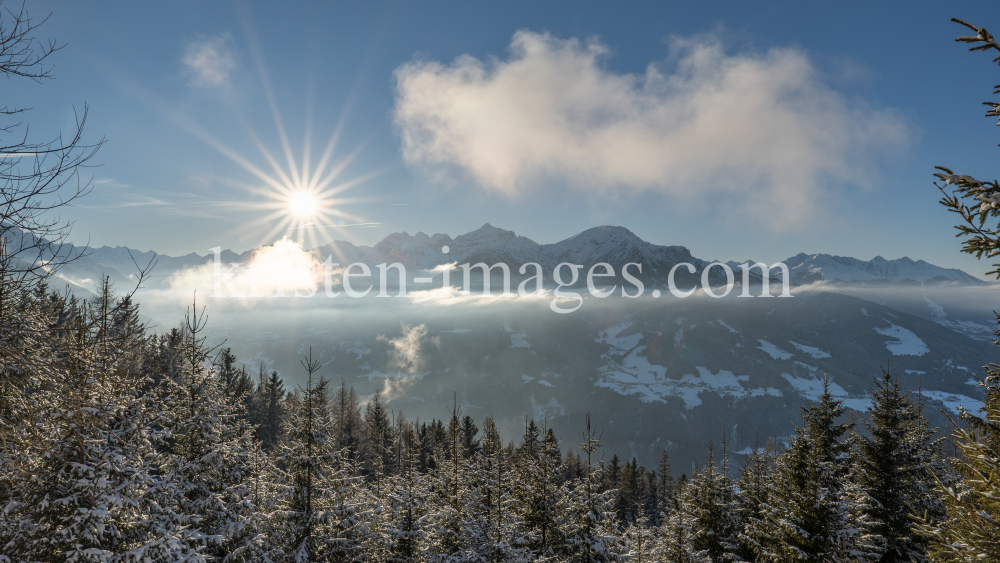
pixel 551 409
pixel 953 401
pixel 636 375
pixel 519 341
pixel 359 349
pixel 907 344
pixel 973 330
pixel 772 350
pixel 731 329
pixel 619 345
pixel 814 352
pixel 812 389
pixel 760 392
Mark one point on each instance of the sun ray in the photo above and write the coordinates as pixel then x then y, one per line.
pixel 341 164
pixel 258 55
pixel 328 151
pixel 222 148
pixel 350 183
pixel 283 224
pixel 306 149
pixel 283 179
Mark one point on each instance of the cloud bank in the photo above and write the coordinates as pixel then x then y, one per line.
pixel 282 269
pixel 210 60
pixel 759 129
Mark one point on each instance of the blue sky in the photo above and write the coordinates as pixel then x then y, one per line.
pixel 736 129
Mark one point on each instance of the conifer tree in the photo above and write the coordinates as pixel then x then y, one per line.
pixel 629 492
pixel 237 385
pixel 639 541
pixel 492 530
pixel 665 482
pixel 806 516
pixel 450 482
pixel 539 495
pixel 710 509
pixel 892 475
pixel 270 408
pixel 316 509
pixel 347 421
pixel 470 444
pixel 590 528
pixel 209 444
pixel 614 473
pixel 81 462
pixel 378 428
pixel 969 532
pixel 406 505
pixel 675 542
pixel 753 498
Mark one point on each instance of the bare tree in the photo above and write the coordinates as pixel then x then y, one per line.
pixel 37 179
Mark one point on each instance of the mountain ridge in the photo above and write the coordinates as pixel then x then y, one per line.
pixel 615 245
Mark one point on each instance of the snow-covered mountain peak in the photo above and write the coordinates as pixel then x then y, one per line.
pixel 807 268
pixel 617 246
pixel 493 245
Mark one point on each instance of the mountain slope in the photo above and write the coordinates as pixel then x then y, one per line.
pixel 652 374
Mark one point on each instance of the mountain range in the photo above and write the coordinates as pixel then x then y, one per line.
pixel 613 245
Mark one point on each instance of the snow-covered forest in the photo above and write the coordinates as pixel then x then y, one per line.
pixel 120 445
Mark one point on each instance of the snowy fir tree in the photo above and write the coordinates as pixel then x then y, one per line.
pixel 591 527
pixel 406 509
pixel 805 517
pixel 316 517
pixel 207 459
pixel 78 438
pixel 755 476
pixel 710 510
pixel 969 530
pixel 895 462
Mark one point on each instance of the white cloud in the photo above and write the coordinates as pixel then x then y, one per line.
pixel 760 130
pixel 110 183
pixel 281 270
pixel 409 348
pixel 210 59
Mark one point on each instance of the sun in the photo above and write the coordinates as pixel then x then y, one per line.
pixel 303 204
pixel 298 197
